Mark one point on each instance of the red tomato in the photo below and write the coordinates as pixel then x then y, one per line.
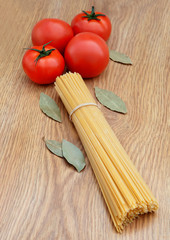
pixel 51 29
pixel 95 22
pixel 45 69
pixel 87 54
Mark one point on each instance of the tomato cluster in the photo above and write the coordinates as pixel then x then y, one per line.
pixel 81 47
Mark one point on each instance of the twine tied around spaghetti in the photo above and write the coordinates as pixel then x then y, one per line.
pixel 80 106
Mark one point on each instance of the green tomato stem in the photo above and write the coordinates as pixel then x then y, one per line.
pixel 43 52
pixel 92 15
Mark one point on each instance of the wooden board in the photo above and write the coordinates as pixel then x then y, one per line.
pixel 41 196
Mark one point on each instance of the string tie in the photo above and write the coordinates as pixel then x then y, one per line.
pixel 80 106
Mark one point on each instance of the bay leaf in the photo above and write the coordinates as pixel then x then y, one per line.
pixel 55 147
pixel 49 107
pixel 119 57
pixel 110 100
pixel 73 155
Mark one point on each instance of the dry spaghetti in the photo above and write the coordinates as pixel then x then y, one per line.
pixel 124 190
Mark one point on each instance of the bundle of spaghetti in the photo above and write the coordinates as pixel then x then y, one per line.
pixel 125 192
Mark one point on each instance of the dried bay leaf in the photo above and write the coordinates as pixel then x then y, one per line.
pixel 67 150
pixel 55 147
pixel 49 107
pixel 119 57
pixel 73 155
pixel 110 100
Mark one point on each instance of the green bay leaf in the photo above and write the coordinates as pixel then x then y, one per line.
pixel 119 57
pixel 73 155
pixel 55 147
pixel 49 107
pixel 110 100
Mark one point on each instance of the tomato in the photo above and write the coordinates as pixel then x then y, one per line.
pixel 51 29
pixel 87 54
pixel 43 64
pixel 95 22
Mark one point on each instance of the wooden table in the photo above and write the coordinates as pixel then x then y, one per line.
pixel 41 196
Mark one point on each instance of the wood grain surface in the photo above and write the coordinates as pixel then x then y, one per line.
pixel 41 196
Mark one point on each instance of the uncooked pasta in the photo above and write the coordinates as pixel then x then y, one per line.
pixel 124 190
